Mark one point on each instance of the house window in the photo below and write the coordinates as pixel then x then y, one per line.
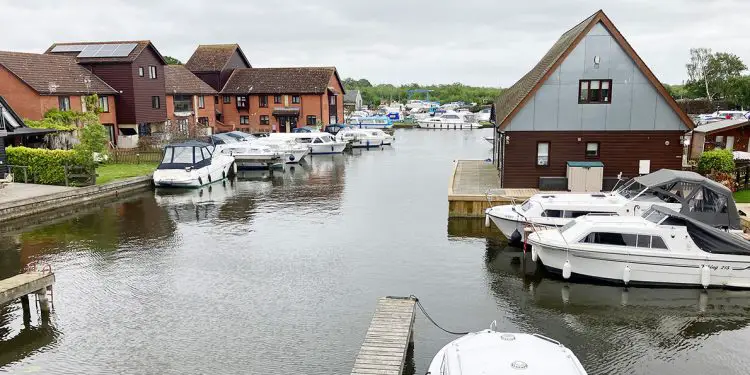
pixel 104 103
pixel 244 120
pixel 595 91
pixel 242 102
pixel 155 102
pixel 263 101
pixel 312 120
pixel 227 99
pixel 295 99
pixel 201 102
pixel 277 99
pixel 64 103
pixel 152 72
pixel 183 103
pixel 264 120
pixel 542 154
pixel 203 120
pixel 140 71
pixel 730 143
pixel 332 100
pixel 592 150
pixel 719 141
pixel 216 99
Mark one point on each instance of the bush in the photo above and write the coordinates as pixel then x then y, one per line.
pixel 45 166
pixel 716 161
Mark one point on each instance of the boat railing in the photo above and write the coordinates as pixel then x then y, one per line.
pixel 547 339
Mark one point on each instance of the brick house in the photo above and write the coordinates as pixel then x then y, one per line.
pixel 136 70
pixel 590 98
pixel 188 99
pixel 281 99
pixel 35 83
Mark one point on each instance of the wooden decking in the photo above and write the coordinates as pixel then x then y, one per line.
pixel 24 284
pixel 475 186
pixel 387 340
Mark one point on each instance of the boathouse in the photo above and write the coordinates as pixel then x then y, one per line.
pixel 733 134
pixel 590 98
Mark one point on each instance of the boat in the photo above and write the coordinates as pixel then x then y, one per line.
pixel 240 136
pixel 291 152
pixel 192 164
pixel 484 115
pixel 318 142
pixel 251 155
pixel 450 120
pixel 661 247
pixel 493 352
pixel 683 191
pixel 371 122
pixel 364 138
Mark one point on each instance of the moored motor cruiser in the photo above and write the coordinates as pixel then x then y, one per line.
pixel 192 164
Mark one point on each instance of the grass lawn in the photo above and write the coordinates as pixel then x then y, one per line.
pixel 742 196
pixel 112 172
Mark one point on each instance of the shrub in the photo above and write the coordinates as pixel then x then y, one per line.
pixel 716 161
pixel 45 166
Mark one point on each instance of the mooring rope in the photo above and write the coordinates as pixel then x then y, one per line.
pixel 419 304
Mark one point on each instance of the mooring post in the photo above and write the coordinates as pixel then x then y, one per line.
pixel 26 311
pixel 43 301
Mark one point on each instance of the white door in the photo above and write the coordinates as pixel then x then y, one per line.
pixel 730 142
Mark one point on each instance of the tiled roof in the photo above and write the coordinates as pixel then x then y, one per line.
pixel 512 99
pixel 721 125
pixel 140 46
pixel 279 81
pixel 212 57
pixel 50 74
pixel 351 96
pixel 179 80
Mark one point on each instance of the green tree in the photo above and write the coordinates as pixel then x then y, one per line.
pixel 712 72
pixel 172 61
pixel 698 69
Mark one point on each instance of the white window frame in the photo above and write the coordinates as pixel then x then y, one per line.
pixel 104 103
pixel 540 161
pixel 730 143
pixel 152 72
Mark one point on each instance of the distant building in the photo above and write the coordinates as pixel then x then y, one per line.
pixel 35 83
pixel 189 99
pixel 136 70
pixel 353 100
pixel 214 63
pixel 281 99
pixel 733 135
pixel 590 98
pixel 14 132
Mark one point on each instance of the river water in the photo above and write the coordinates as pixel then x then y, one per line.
pixel 281 275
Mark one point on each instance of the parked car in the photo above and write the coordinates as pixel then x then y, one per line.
pixel 304 129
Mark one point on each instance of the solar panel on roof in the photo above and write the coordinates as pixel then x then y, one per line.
pixel 69 48
pixel 123 50
pixel 106 50
pixel 90 50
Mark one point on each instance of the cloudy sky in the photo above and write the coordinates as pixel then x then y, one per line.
pixel 477 42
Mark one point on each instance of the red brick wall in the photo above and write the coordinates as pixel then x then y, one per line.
pixel 24 100
pixel 619 151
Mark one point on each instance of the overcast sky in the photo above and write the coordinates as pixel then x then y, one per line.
pixel 476 42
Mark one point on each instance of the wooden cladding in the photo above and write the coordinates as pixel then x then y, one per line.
pixel 620 151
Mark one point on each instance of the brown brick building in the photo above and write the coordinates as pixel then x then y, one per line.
pixel 34 83
pixel 189 100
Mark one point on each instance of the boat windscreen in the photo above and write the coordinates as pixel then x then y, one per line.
pixel 654 216
pixel 631 189
pixel 182 155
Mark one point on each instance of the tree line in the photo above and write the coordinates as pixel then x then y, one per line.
pixel 374 95
pixel 715 77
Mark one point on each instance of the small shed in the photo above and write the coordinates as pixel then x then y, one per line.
pixel 585 176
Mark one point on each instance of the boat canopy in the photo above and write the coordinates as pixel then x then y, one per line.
pixel 701 198
pixel 706 237
pixel 191 154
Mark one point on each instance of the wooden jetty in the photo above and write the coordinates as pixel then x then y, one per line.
pixel 474 186
pixel 20 286
pixel 387 340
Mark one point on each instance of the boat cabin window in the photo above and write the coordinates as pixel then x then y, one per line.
pixel 304 140
pixel 167 155
pixel 707 200
pixel 655 217
pixel 450 117
pixel 552 213
pixel 525 206
pixel 575 214
pixel 681 189
pixel 318 140
pixel 198 154
pixel 567 226
pixel 183 155
pixel 658 243
pixel 206 153
pixel 326 138
pixel 608 238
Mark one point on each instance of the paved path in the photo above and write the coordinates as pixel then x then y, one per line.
pixel 18 191
pixel 387 339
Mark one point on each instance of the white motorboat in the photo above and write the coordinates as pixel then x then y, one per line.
pixel 386 138
pixel 291 151
pixel 318 142
pixel 662 247
pixel 364 138
pixel 192 164
pixel 484 115
pixel 450 120
pixel 686 192
pixel 252 155
pixel 492 352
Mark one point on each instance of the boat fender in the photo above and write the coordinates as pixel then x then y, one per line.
pixel 209 178
pixel 626 275
pixel 200 181
pixel 291 157
pixel 534 255
pixel 223 175
pixel 566 271
pixel 705 276
pixel 515 237
pixel 486 221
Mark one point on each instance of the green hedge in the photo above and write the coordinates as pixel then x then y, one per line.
pixel 717 161
pixel 45 166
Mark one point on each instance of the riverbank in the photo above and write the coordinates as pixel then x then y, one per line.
pixel 112 172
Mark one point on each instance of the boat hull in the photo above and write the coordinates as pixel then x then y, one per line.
pixel 219 169
pixel 327 148
pixel 731 271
